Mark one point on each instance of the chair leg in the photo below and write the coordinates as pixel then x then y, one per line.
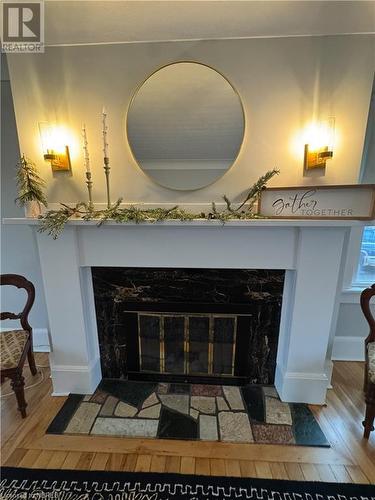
pixel 17 383
pixel 31 359
pixel 369 420
pixel 365 381
pixel 368 423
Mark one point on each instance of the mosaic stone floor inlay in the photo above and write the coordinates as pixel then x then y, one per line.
pixel 249 414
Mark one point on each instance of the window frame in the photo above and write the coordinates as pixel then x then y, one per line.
pixel 350 281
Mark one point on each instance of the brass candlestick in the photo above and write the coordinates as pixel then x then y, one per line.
pixel 107 168
pixel 89 189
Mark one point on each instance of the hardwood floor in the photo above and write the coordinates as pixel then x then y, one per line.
pixel 350 459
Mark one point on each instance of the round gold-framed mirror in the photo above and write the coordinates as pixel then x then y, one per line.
pixel 185 125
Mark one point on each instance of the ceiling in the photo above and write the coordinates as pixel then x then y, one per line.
pixel 107 21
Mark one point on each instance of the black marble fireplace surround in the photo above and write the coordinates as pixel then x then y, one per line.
pixel 252 297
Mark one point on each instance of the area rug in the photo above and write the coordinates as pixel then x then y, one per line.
pixel 249 414
pixel 84 485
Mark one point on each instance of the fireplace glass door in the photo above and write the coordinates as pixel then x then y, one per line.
pixel 185 343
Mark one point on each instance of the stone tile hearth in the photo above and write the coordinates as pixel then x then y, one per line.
pixel 183 411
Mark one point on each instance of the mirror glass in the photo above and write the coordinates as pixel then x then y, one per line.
pixel 185 126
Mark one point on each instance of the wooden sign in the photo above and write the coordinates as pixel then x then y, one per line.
pixel 319 202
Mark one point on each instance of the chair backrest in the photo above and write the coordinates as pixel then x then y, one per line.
pixel 19 282
pixel 366 296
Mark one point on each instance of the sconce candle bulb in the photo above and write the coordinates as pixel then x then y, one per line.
pixel 319 144
pixel 54 148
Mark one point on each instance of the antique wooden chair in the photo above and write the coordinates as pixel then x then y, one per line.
pixel 15 345
pixel 369 385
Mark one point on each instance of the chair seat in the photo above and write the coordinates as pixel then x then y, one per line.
pixel 12 345
pixel 371 361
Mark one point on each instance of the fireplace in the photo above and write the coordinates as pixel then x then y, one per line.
pixel 188 325
pixel 308 312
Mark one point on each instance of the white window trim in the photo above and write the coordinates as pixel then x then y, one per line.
pixel 352 288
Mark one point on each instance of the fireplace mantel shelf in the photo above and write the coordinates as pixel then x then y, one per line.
pixel 209 223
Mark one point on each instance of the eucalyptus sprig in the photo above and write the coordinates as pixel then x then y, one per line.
pixel 53 221
pixel 30 185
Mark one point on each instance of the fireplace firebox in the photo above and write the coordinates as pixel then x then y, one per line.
pixel 193 325
pixel 187 343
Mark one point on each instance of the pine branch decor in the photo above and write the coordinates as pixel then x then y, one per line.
pixel 53 221
pixel 30 184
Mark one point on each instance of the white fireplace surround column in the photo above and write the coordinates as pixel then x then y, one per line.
pixel 311 252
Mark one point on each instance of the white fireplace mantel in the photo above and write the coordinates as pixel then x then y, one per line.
pixel 311 251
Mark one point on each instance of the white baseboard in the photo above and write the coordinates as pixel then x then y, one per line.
pixel 296 387
pixel 40 338
pixel 348 349
pixel 77 379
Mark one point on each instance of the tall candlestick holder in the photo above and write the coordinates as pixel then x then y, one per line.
pixel 89 189
pixel 107 168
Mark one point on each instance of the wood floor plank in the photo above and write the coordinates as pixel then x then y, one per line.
pixel 12 422
pixel 29 458
pixel 247 468
pixel 294 471
pixel 187 465
pixel 232 468
pixel 43 460
pixel 328 427
pixel 33 427
pixel 173 464
pixel 99 461
pixel 15 458
pixel 310 472
pixel 326 474
pixel 143 463
pixel 116 461
pixel 356 474
pixel 278 470
pixel 217 467
pixel 202 449
pixel 130 462
pixel 158 463
pixel 57 460
pixel 351 433
pixel 84 463
pixel 71 460
pixel 202 466
pixel 263 470
pixel 341 474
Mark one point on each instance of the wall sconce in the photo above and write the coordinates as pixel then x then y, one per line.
pixel 55 149
pixel 319 138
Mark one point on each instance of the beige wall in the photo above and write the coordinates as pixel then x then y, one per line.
pixel 282 83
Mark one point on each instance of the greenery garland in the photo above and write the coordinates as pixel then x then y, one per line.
pixel 53 221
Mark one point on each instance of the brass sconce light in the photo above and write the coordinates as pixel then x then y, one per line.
pixel 55 149
pixel 319 144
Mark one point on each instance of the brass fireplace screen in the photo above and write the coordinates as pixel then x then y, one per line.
pixel 186 343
